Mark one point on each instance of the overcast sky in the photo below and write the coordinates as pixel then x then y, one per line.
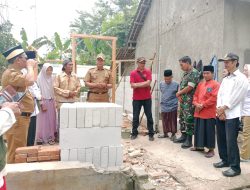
pixel 45 17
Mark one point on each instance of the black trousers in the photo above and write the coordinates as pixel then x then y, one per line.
pixel 32 131
pixel 227 133
pixel 147 106
pixel 204 133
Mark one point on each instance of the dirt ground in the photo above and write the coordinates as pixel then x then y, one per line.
pixel 171 167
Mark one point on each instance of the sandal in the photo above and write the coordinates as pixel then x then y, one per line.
pixel 196 149
pixel 39 142
pixel 162 136
pixel 209 154
pixel 51 142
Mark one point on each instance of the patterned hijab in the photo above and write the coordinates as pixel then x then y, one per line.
pixel 45 82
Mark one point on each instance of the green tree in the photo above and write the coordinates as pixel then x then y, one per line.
pixel 36 44
pixel 110 18
pixel 7 41
pixel 59 48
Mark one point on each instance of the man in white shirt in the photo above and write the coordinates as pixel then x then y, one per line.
pixel 231 93
pixel 7 120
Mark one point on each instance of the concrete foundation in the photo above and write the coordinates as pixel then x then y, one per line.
pixel 71 176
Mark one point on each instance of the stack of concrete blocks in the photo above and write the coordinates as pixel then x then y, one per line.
pixel 91 132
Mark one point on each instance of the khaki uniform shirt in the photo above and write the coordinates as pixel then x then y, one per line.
pixel 17 80
pixel 98 76
pixel 63 84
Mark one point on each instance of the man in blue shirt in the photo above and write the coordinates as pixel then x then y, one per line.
pixel 169 104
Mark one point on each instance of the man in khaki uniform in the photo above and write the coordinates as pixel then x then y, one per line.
pixel 66 85
pixel 99 81
pixel 17 60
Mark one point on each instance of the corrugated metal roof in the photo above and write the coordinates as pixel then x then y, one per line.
pixel 128 52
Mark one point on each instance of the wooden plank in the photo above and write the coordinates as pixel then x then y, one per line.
pixel 113 69
pixel 93 36
pixel 73 41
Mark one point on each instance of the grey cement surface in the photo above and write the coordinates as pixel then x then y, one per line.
pixel 65 175
pixel 192 169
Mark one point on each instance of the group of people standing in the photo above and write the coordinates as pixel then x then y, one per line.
pixel 37 114
pixel 206 109
pixel 45 93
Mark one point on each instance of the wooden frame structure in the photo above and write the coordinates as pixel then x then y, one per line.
pixel 106 38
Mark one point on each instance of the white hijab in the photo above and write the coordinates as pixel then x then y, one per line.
pixel 45 82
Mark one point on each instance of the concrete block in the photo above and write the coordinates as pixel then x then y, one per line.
pixel 72 115
pixel 88 117
pixel 81 154
pixel 80 115
pixel 73 154
pixel 118 116
pixel 64 115
pixel 89 155
pixel 112 116
pixel 112 155
pixel 119 155
pixel 104 117
pixel 89 137
pixel 97 156
pixel 104 156
pixel 64 154
pixel 96 117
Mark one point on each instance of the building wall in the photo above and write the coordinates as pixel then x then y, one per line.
pixel 193 28
pixel 198 28
pixel 237 29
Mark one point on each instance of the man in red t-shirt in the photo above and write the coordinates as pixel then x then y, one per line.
pixel 140 80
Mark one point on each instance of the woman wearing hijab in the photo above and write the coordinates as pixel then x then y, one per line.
pixel 245 113
pixel 46 119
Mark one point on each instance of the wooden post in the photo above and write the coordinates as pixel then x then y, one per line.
pixel 74 54
pixel 113 69
pixel 107 38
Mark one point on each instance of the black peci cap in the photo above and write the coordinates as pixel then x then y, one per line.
pixel 13 52
pixel 168 73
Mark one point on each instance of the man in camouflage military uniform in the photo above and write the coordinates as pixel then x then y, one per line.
pixel 99 81
pixel 189 82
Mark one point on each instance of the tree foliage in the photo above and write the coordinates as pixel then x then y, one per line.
pixel 6 41
pixel 109 18
pixel 59 49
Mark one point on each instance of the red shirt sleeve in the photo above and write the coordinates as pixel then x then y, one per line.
pixel 132 77
pixel 149 75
